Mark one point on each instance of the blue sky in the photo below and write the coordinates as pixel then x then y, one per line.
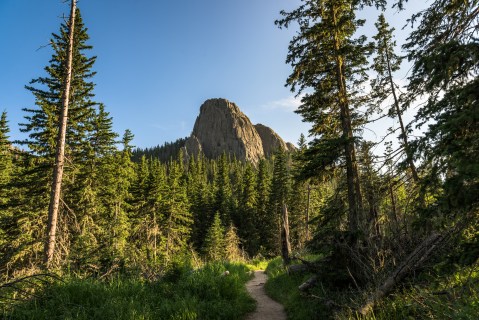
pixel 159 60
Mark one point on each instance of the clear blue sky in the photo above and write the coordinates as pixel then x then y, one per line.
pixel 159 60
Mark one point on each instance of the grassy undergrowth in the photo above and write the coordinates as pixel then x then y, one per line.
pixel 454 296
pixel 182 294
pixel 439 296
pixel 283 288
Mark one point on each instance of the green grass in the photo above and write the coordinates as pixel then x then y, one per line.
pixel 182 294
pixel 455 296
pixel 257 264
pixel 283 288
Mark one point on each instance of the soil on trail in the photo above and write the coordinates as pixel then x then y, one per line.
pixel 266 308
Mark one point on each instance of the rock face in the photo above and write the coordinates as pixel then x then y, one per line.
pixel 222 127
pixel 271 140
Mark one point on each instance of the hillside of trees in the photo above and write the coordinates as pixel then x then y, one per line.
pixel 360 224
pixel 166 152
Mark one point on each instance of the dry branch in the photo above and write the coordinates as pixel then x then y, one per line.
pixel 415 260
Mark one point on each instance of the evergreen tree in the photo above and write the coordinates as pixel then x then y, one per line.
pixel 85 196
pixel 326 58
pixel 280 191
pixel 232 244
pixel 200 194
pixel 444 49
pixel 176 216
pixel 42 121
pixel 214 247
pixel 6 168
pixel 223 192
pixel 248 205
pixel 263 216
pixel 6 164
pixel 115 193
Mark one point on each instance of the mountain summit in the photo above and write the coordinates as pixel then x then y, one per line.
pixel 222 127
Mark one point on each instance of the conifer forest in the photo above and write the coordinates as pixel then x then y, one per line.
pixel 92 227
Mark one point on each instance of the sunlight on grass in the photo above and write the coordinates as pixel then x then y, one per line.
pixel 183 294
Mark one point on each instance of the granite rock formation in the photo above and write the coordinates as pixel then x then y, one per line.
pixel 271 140
pixel 222 127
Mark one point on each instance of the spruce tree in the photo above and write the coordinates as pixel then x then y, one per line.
pixel 232 244
pixel 6 168
pixel 200 194
pixel 444 49
pixel 263 216
pixel 280 191
pixel 41 121
pixel 116 178
pixel 248 204
pixel 176 217
pixel 223 191
pixel 6 155
pixel 214 247
pixel 327 58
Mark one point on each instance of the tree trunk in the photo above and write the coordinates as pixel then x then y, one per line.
pixel 355 209
pixel 409 159
pixel 285 244
pixel 394 211
pixel 307 212
pixel 60 152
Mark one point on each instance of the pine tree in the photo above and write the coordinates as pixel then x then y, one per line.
pixel 176 218
pixel 444 49
pixel 325 57
pixel 6 164
pixel 232 244
pixel 300 197
pixel 57 179
pixel 223 193
pixel 248 204
pixel 200 194
pixel 84 196
pixel 41 121
pixel 214 247
pixel 263 217
pixel 6 170
pixel 116 178
pixel 280 191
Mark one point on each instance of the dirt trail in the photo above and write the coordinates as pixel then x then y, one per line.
pixel 266 309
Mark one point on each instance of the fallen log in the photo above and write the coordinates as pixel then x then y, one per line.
pixel 415 260
pixel 298 268
pixel 311 282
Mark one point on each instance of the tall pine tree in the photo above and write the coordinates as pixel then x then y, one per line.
pixel 327 59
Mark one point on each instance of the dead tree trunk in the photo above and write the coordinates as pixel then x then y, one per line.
pixel 60 152
pixel 285 244
pixel 407 149
pixel 412 262
pixel 307 212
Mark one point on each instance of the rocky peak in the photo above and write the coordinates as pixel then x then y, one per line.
pixel 222 127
